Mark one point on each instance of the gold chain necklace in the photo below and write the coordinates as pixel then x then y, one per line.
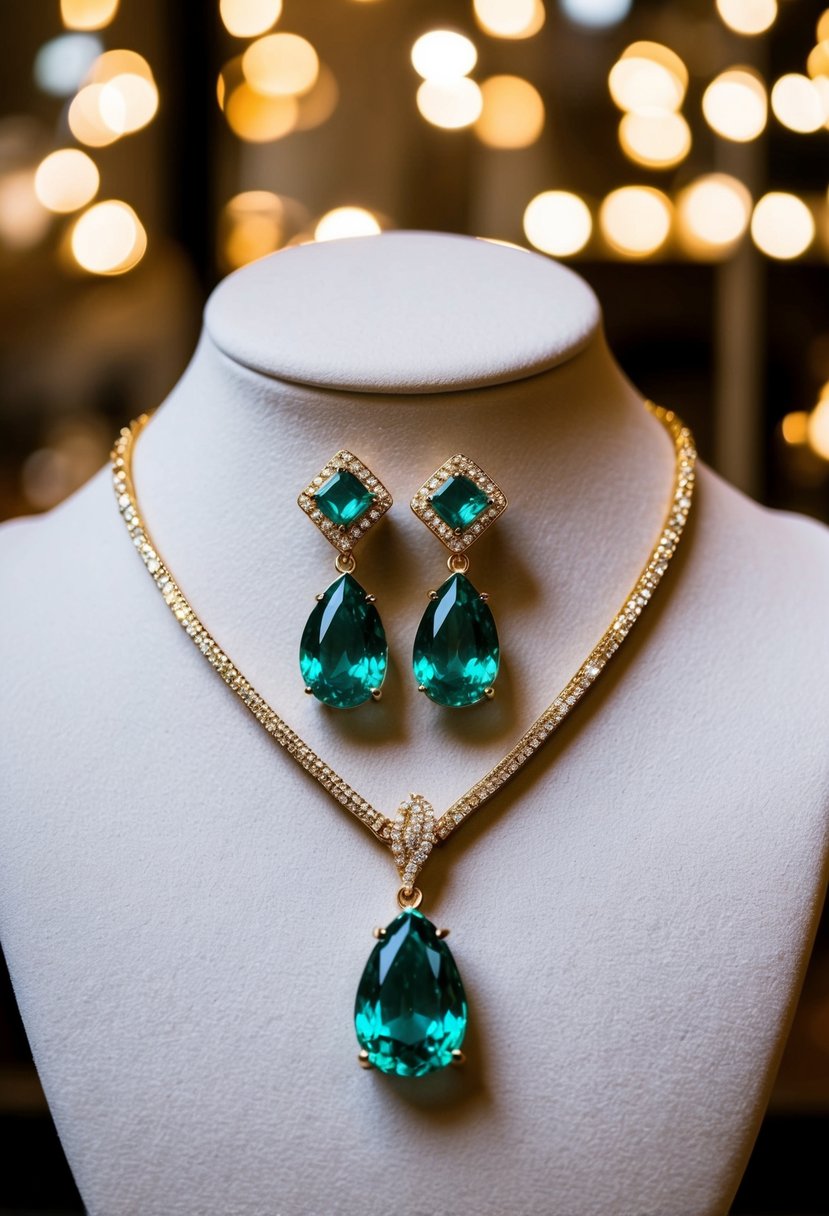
pixel 418 970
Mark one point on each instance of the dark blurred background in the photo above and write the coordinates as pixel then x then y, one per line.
pixel 674 150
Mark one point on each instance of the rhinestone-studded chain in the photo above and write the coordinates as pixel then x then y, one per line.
pixel 526 747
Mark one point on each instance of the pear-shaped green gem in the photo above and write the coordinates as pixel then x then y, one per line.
pixel 343 653
pixel 410 1013
pixel 456 651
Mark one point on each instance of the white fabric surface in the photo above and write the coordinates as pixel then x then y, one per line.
pixel 186 915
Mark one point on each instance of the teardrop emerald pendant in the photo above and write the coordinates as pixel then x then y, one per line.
pixel 343 653
pixel 411 1013
pixel 456 651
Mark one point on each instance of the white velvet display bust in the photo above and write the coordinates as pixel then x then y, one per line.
pixel 186 914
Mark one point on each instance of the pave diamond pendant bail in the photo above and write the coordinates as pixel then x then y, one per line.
pixel 413 837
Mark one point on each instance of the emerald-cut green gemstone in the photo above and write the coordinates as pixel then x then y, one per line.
pixel 343 498
pixel 459 502
pixel 410 1013
pixel 456 651
pixel 343 653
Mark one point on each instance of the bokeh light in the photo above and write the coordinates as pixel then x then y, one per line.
pixel 259 119
pixel 713 213
pixel 596 14
pixel 128 102
pixel 62 63
pixel 782 226
pixel 87 14
pixel 509 18
pixel 558 222
pixel 346 222
pixel 86 118
pixel 635 220
pixel 119 62
pixel 797 103
pixel 794 428
pixel 451 104
pixel 735 105
pixel 658 140
pixel 512 114
pixel 249 18
pixel 108 239
pixel 24 221
pixel 281 65
pixel 443 56
pixel 748 16
pixel 648 77
pixel 252 225
pixel 66 180
pixel 822 27
pixel 817 64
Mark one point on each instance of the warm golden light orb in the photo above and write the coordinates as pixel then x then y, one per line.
pixel 108 239
pixel 782 226
pixel 558 222
pixel 87 14
pixel 443 55
pixel 346 222
pixel 713 214
pixel 509 18
pixel 249 18
pixel 66 180
pixel 281 65
pixel 635 220
pixel 658 140
pixel 451 104
pixel 648 76
pixel 735 105
pixel 512 114
pixel 748 17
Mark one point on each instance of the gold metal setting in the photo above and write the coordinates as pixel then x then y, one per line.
pixel 344 539
pixel 533 739
pixel 457 541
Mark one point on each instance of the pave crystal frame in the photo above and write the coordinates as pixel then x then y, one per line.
pixel 345 538
pixel 459 466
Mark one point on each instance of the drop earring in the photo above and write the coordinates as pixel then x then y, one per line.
pixel 456 652
pixel 343 653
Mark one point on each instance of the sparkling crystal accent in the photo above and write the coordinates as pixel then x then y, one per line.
pixel 410 1013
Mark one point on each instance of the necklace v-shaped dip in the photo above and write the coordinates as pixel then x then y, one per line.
pixel 411 1010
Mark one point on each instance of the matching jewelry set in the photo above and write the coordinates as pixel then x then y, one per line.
pixel 344 653
pixel 411 1010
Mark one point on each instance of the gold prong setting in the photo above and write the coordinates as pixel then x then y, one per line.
pixel 458 540
pixel 345 538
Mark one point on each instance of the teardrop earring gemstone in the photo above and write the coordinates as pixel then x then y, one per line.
pixel 343 653
pixel 456 651
pixel 410 1014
